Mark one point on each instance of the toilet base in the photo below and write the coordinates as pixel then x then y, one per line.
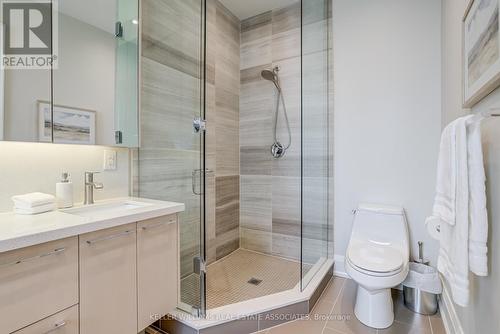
pixel 374 308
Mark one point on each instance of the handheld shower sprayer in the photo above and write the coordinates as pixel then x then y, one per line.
pixel 278 150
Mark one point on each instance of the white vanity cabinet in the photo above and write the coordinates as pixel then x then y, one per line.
pixel 37 282
pixel 112 273
pixel 108 284
pixel 157 268
pixel 64 322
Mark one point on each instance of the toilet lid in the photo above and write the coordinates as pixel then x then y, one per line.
pixel 374 257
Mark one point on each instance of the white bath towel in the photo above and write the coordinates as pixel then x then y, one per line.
pixel 453 259
pixel 444 208
pixel 478 213
pixel 35 210
pixel 32 200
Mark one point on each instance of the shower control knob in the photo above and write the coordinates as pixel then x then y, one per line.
pixel 278 150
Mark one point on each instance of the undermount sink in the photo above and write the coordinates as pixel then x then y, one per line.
pixel 105 209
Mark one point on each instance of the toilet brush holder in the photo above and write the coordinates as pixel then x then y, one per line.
pixel 421 289
pixel 419 301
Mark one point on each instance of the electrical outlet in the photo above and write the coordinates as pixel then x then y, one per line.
pixel 109 160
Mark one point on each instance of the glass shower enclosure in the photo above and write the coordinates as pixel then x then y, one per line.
pixel 255 224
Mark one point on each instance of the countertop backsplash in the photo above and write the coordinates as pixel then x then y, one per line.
pixel 29 167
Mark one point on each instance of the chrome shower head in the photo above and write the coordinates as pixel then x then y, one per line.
pixel 268 75
pixel 271 76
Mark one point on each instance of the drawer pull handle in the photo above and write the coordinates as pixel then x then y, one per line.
pixel 56 327
pixel 41 256
pixel 152 226
pixel 109 237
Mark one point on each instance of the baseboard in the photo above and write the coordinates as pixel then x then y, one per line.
pixel 338 267
pixel 448 314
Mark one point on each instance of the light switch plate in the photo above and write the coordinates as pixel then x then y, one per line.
pixel 109 160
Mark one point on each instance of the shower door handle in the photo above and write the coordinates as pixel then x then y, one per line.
pixel 194 177
pixel 199 124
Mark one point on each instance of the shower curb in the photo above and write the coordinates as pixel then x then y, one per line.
pixel 253 323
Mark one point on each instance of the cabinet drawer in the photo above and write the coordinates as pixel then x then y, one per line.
pixel 65 322
pixel 108 284
pixel 37 282
pixel 157 268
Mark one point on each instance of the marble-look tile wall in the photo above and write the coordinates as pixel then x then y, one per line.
pixel 317 148
pixel 170 98
pixel 270 217
pixel 253 201
pixel 222 146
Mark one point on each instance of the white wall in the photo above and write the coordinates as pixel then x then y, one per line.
pixel 85 78
pixel 387 56
pixel 27 167
pixel 481 316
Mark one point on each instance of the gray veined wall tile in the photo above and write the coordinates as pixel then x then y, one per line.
pixel 286 32
pixel 228 24
pixel 286 215
pixel 286 44
pixel 315 218
pixel 211 40
pixel 166 175
pixel 256 240
pixel 257 27
pixel 286 246
pixel 227 72
pixel 313 250
pixel 170 57
pixel 227 133
pixel 253 74
pixel 211 133
pixel 227 207
pixel 161 84
pixel 210 212
pixel 256 21
pixel 227 243
pixel 256 38
pixel 228 190
pixel 287 18
pixel 222 136
pixel 256 110
pixel 163 19
pixel 255 53
pixel 286 198
pixel 256 160
pixel 287 227
pixel 256 202
pixel 315 115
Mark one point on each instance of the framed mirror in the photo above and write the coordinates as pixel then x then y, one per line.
pixel 89 93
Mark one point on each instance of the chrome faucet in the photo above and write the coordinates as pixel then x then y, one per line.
pixel 90 185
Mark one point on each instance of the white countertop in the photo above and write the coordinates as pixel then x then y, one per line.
pixel 18 231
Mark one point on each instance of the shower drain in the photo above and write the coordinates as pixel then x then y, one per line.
pixel 254 281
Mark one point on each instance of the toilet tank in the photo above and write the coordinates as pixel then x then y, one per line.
pixel 381 224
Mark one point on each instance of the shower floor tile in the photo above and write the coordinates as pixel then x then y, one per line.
pixel 228 279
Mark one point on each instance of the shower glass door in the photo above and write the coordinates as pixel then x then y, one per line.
pixel 171 158
pixel 316 56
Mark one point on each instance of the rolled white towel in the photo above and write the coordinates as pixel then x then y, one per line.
pixel 36 210
pixel 32 200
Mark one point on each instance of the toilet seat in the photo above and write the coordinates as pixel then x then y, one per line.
pixel 375 259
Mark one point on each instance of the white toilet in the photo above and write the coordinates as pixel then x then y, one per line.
pixel 377 259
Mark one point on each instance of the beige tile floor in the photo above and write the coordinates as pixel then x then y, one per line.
pixel 227 279
pixel 334 314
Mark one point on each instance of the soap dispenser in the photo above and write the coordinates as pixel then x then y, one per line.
pixel 64 192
